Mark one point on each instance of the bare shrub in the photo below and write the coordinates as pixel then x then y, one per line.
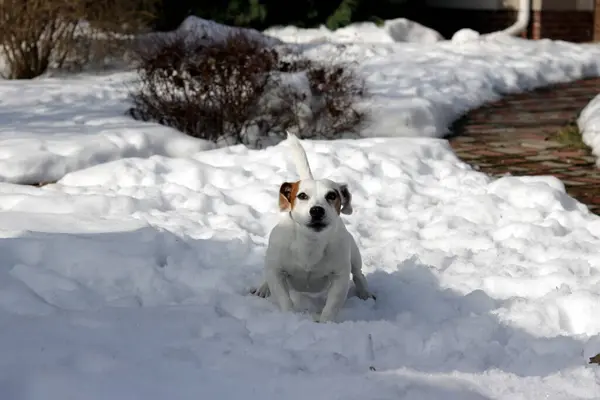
pixel 240 90
pixel 328 106
pixel 36 35
pixel 33 32
pixel 107 34
pixel 207 91
pixel 336 88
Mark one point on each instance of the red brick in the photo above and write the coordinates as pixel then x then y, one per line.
pixel 597 21
pixel 572 26
pixel 587 180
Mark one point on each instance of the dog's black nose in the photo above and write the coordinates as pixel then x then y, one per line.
pixel 317 212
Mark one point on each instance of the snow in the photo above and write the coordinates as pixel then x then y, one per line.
pixel 199 29
pixel 589 126
pixel 129 277
pixel 52 126
pixel 203 28
pixel 427 88
pixel 465 35
pixel 129 280
pixel 428 85
pixel 391 31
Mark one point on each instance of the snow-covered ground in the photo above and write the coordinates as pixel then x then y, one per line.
pixel 589 126
pixel 129 279
pixel 52 126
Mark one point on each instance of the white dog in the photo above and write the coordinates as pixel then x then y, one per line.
pixel 310 250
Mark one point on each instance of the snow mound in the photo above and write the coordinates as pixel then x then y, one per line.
pixel 589 126
pixel 52 126
pixel 465 35
pixel 405 30
pixel 196 28
pixel 203 28
pixel 392 31
pixel 421 93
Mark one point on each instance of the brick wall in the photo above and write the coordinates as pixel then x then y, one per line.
pixel 597 22
pixel 572 26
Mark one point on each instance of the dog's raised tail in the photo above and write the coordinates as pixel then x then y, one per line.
pixel 299 155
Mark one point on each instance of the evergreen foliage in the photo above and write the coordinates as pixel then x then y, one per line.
pixel 261 14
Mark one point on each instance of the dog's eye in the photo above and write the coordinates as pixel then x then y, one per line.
pixel 302 196
pixel 331 196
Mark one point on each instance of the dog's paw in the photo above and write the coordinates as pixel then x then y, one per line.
pixel 263 291
pixel 365 295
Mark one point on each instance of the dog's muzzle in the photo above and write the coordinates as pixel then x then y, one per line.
pixel 317 218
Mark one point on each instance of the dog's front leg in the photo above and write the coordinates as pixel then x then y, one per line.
pixel 360 282
pixel 275 279
pixel 336 296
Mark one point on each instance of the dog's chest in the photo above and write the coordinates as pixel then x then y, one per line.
pixel 308 271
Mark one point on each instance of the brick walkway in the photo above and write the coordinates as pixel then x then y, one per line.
pixel 518 135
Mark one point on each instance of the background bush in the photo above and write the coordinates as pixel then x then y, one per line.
pixel 240 90
pixel 34 32
pixel 261 14
pixel 36 35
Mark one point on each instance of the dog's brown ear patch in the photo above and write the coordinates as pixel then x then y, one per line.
pixel 287 195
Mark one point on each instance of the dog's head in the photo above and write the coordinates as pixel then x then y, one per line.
pixel 315 204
